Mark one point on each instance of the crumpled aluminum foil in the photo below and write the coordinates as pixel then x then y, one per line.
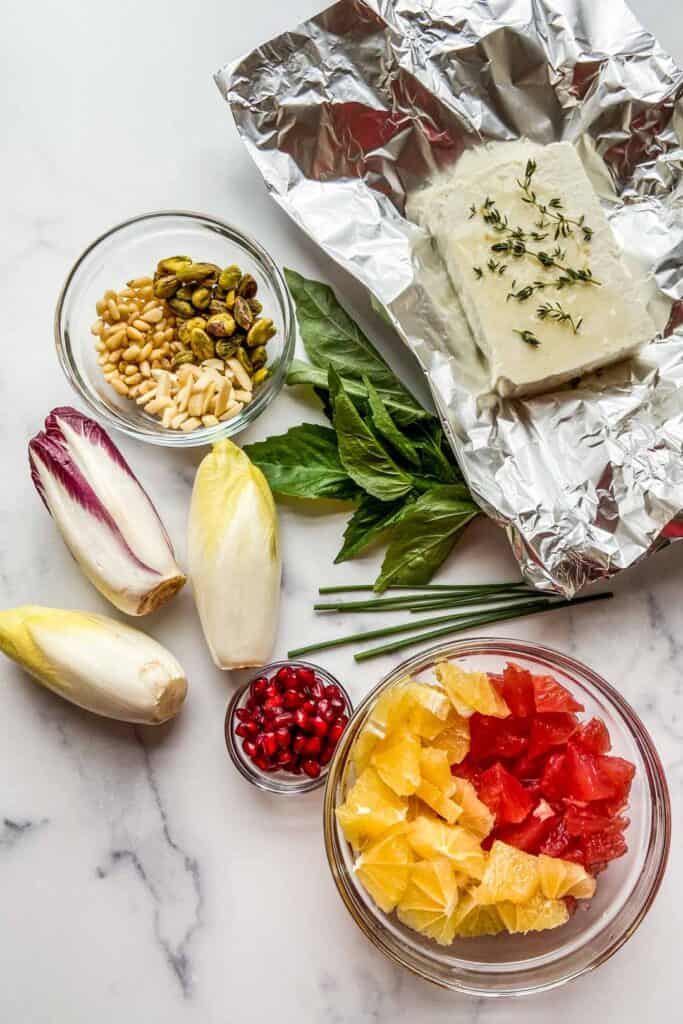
pixel 349 113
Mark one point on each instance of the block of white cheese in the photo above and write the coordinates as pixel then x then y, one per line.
pixel 585 325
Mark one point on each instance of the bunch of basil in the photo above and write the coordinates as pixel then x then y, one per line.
pixel 384 451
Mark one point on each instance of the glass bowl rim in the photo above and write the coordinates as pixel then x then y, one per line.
pixel 161 436
pixel 657 790
pixel 252 773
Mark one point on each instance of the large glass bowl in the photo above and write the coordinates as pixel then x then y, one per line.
pixel 504 964
pixel 133 249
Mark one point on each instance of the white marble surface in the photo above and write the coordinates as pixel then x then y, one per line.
pixel 141 879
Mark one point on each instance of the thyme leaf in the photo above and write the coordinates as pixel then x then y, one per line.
pixel 554 311
pixel 529 337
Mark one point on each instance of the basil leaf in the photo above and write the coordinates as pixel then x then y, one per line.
pixel 425 535
pixel 384 425
pixel 304 463
pixel 362 455
pixel 371 518
pixel 332 338
pixel 434 461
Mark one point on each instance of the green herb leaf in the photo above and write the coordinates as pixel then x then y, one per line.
pixel 425 535
pixel 362 455
pixel 371 518
pixel 332 338
pixel 304 463
pixel 434 461
pixel 384 425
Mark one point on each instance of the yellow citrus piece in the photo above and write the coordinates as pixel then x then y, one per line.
pixel 510 875
pixel 384 869
pixel 455 738
pixel 365 743
pixel 475 814
pixel 397 761
pixel 471 691
pixel 536 914
pixel 430 838
pixel 370 809
pixel 435 799
pixel 391 709
pixel 429 710
pixel 473 919
pixel 435 768
pixel 560 878
pixel 430 899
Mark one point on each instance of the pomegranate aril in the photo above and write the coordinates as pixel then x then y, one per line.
pixel 305 676
pixel 252 702
pixel 250 748
pixel 262 762
pixel 268 743
pixel 292 699
pixel 309 707
pixel 284 718
pixel 313 746
pixel 337 703
pixel 259 686
pixel 319 726
pixel 336 729
pixel 244 715
pixel 284 759
pixel 316 690
pixel 332 691
pixel 298 744
pixel 302 720
pixel 247 730
pixel 285 678
pixel 311 767
pixel 273 703
pixel 325 710
pixel 326 753
pixel 283 737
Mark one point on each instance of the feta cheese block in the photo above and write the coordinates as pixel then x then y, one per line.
pixel 529 352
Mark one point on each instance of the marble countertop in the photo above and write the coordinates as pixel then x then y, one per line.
pixel 141 878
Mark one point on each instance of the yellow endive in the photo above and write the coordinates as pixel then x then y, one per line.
pixel 234 558
pixel 95 662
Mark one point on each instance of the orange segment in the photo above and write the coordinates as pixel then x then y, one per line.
pixel 473 919
pixel 384 870
pixel 370 809
pixel 435 768
pixel 560 878
pixel 471 691
pixel 455 738
pixel 475 814
pixel 534 915
pixel 429 902
pixel 431 838
pixel 435 799
pixel 397 761
pixel 510 875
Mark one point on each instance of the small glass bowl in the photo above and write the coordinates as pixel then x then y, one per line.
pixel 276 781
pixel 515 965
pixel 133 249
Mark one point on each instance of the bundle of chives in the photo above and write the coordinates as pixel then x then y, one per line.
pixel 516 605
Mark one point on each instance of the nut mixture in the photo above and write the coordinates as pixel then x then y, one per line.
pixel 188 345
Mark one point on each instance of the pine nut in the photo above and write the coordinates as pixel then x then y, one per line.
pixel 119 386
pixel 97 327
pixel 146 351
pixel 154 315
pixel 141 325
pixel 132 352
pixel 135 335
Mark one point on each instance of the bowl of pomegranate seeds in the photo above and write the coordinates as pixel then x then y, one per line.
pixel 283 726
pixel 496 817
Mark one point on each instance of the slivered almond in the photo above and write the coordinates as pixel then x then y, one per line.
pixel 240 373
pixel 190 424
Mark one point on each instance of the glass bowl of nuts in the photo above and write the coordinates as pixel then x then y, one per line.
pixel 175 328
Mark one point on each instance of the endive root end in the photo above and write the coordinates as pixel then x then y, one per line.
pixel 170 701
pixel 161 594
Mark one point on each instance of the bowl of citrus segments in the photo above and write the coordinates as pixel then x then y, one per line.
pixel 496 817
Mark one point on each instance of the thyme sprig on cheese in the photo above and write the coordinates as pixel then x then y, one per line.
pixel 514 245
pixel 551 212
pixel 554 311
